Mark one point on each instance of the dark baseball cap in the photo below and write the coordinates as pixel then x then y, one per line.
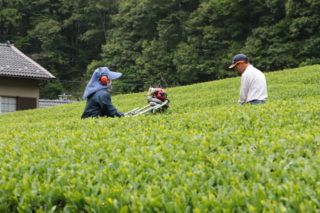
pixel 237 58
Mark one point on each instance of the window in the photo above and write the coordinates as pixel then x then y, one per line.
pixel 24 103
pixel 7 104
pixel 11 104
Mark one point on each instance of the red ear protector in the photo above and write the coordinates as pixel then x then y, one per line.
pixel 104 80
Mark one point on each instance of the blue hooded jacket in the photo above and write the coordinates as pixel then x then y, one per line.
pixel 98 97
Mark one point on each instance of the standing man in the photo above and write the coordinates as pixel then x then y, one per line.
pixel 253 82
pixel 98 96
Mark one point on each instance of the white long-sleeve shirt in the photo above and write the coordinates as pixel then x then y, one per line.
pixel 253 85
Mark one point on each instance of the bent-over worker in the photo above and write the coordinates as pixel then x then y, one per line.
pixel 98 96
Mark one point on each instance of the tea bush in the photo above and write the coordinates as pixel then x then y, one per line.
pixel 205 154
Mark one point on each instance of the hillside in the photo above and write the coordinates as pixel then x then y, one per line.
pixel 176 42
pixel 204 154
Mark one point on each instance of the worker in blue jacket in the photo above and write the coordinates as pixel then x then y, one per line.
pixel 98 96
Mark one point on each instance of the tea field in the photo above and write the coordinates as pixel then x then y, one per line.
pixel 205 154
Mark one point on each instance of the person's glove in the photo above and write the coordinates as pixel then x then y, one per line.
pixel 119 114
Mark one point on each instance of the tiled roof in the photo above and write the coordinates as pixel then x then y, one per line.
pixel 13 63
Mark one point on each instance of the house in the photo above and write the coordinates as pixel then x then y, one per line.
pixel 19 80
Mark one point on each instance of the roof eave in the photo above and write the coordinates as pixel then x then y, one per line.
pixel 29 77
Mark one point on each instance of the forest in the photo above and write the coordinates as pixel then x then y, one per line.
pixel 168 42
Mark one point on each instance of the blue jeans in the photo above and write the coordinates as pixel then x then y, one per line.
pixel 256 102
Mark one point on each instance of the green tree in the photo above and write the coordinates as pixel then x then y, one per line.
pixel 142 43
